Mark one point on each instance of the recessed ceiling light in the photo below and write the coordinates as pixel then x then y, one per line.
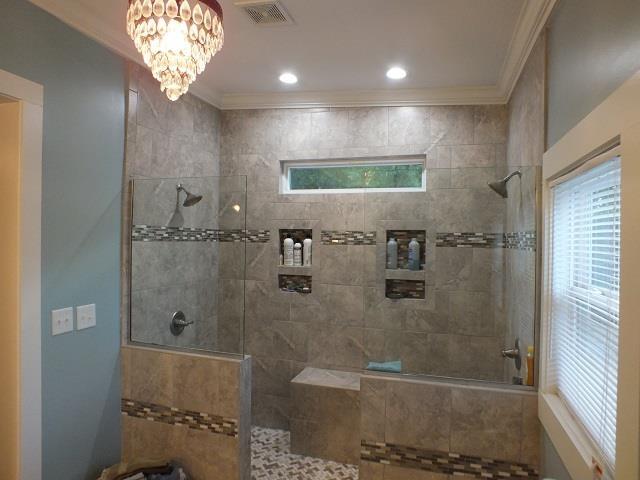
pixel 288 78
pixel 396 73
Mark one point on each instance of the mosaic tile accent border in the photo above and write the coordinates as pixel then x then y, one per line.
pixel 347 237
pixel 147 233
pixel 521 241
pixel 399 289
pixel 445 462
pixel 174 416
pixel 475 240
pixel 295 283
pixel 513 240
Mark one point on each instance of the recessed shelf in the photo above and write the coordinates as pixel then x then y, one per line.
pixel 403 237
pixel 286 270
pixel 405 289
pixel 404 274
pixel 294 283
pixel 298 235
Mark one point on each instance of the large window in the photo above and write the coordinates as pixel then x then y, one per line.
pixel 353 176
pixel 584 314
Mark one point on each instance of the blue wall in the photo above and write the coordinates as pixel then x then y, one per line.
pixel 84 121
pixel 594 46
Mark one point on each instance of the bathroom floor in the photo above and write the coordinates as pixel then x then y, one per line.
pixel 272 459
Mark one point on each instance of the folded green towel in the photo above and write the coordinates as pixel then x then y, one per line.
pixel 392 367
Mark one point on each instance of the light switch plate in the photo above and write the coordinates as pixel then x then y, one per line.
pixel 86 316
pixel 61 321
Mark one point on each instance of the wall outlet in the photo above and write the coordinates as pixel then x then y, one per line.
pixel 86 316
pixel 61 321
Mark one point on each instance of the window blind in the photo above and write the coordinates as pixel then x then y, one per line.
pixel 585 279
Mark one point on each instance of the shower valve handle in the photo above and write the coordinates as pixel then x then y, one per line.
pixel 179 322
pixel 514 354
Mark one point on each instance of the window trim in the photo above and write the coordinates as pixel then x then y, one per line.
pixel 615 121
pixel 287 165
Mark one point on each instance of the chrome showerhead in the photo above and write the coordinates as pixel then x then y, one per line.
pixel 191 199
pixel 500 187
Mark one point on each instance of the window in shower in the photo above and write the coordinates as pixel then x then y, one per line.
pixel 584 318
pixel 354 175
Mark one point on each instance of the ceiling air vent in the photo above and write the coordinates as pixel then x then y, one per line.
pixel 265 12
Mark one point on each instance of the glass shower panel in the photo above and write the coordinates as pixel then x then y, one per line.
pixel 474 291
pixel 187 262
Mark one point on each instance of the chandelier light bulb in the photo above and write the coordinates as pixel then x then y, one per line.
pixel 177 39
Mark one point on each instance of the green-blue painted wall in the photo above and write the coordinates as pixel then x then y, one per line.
pixel 84 120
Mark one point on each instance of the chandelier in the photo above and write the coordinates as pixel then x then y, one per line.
pixel 176 39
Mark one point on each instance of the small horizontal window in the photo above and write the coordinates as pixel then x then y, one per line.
pixel 353 176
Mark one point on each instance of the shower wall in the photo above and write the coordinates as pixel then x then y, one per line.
pixel 458 329
pixel 177 140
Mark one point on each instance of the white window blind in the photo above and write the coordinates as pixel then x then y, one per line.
pixel 585 279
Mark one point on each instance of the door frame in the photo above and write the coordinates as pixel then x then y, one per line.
pixel 30 96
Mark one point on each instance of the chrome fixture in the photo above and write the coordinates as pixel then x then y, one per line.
pixel 500 187
pixel 177 220
pixel 191 199
pixel 179 322
pixel 514 353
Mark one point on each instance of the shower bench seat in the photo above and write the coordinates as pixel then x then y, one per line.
pixel 325 414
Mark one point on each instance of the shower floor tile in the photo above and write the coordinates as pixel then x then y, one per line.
pixel 272 459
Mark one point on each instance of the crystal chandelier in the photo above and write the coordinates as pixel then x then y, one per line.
pixel 176 39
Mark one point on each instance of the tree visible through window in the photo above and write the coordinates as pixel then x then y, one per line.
pixel 342 177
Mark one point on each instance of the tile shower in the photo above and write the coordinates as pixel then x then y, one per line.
pixel 475 295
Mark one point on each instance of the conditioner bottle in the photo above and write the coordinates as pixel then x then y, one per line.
pixel 297 255
pixel 306 252
pixel 287 251
pixel 530 365
pixel 414 254
pixel 392 254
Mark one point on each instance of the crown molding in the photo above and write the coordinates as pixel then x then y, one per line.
pixel 531 21
pixel 533 18
pixel 366 98
pixel 85 20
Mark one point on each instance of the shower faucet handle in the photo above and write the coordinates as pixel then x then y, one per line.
pixel 514 353
pixel 179 322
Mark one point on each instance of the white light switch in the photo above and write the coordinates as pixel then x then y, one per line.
pixel 61 321
pixel 86 315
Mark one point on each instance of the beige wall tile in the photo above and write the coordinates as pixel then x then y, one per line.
pixel 418 414
pixel 486 423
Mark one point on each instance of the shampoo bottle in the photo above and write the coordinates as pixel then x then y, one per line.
pixel 297 255
pixel 392 254
pixel 287 250
pixel 414 254
pixel 306 252
pixel 530 365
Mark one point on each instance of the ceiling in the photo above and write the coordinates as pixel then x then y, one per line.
pixel 455 51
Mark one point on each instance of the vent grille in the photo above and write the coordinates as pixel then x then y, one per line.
pixel 265 13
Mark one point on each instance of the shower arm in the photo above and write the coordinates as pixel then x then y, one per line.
pixel 511 175
pixel 179 188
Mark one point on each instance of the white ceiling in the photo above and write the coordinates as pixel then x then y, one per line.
pixel 455 51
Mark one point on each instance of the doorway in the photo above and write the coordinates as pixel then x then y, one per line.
pixel 21 122
pixel 9 283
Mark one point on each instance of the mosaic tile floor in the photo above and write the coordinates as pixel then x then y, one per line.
pixel 272 460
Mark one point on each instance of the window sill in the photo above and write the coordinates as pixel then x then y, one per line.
pixel 571 443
